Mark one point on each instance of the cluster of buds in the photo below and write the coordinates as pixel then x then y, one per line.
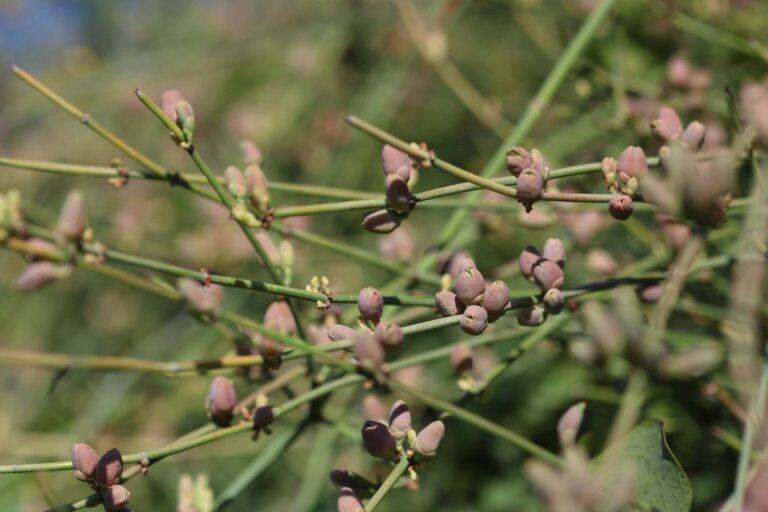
pixel 202 299
pixel 321 285
pixel 622 178
pixel 180 112
pixel 531 171
pixel 103 474
pixel 545 269
pixel 249 187
pixel 389 438
pixel 399 172
pixel 477 301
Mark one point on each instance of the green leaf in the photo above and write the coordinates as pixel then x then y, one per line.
pixel 662 485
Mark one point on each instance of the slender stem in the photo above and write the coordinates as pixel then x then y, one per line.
pixel 753 424
pixel 387 485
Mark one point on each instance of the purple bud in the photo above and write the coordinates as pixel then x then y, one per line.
pixel 221 401
pixel 448 304
pixel 496 298
pixel 650 293
pixel 548 274
pixel 532 316
pixel 518 159
pixel 72 223
pixel 398 194
pixel 470 286
pixel 201 299
pixel 116 497
pixel 109 468
pixel 370 303
pixel 621 207
pixel 527 260
pixel 396 162
pixel 373 408
pixel 553 301
pixel 570 422
pixel 530 187
pixel 263 416
pixel 399 419
pixel 381 221
pixel 235 181
pixel 632 162
pixel 39 274
pixel 280 318
pixel 367 351
pixel 554 251
pixel 474 321
pixel 693 135
pixel 84 460
pixel 338 332
pixel 379 441
pixel 461 358
pixel 428 440
pixel 348 501
pixel 250 152
pixel 388 335
pixel 168 101
pixel 667 125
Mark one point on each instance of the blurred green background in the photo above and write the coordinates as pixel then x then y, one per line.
pixel 285 75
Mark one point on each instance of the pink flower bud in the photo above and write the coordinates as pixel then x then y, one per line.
pixel 373 408
pixel 667 125
pixel 448 304
pixel 754 106
pixel 201 299
pixel 398 245
pixel 221 401
pixel 263 416
pixel 39 274
pixel 553 301
pixel 116 497
pixel 530 187
pixel 650 293
pixel 398 194
pixel 399 419
pixel 693 135
pixel 388 335
pixel 381 221
pixel 518 159
pixel 539 164
pixel 348 501
pixel 600 261
pixel 554 251
pixel 466 262
pixel 280 318
pixel 569 423
pixel 84 460
pixel 470 286
pixel 396 162
pixel 258 187
pixel 379 441
pixel 250 152
pixel 38 246
pixel 632 162
pixel 338 332
pixel 270 249
pixel 456 263
pixel 428 440
pixel 496 298
pixel 368 352
pixel 235 181
pixel 621 207
pixel 527 260
pixel 72 223
pixel 109 468
pixel 547 274
pixel 370 303
pixel 678 72
pixel 168 101
pixel 317 334
pixel 461 358
pixel 474 321
pixel 532 316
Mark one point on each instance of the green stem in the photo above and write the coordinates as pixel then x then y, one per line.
pixel 753 424
pixel 387 485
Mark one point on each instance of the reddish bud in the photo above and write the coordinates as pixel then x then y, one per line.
pixel 532 316
pixel 338 332
pixel 554 251
pixel 84 461
pixel 279 317
pixel 428 440
pixel 474 321
pixel 373 408
pixel 548 274
pixel 693 135
pixel 221 401
pixel 527 260
pixel 39 274
pixel 398 194
pixel 263 416
pixel 530 187
pixel 470 286
pixel 461 358
pixel 518 159
pixel 396 162
pixel 632 162
pixel 109 468
pixel 496 298
pixel 368 352
pixel 388 335
pixel 448 304
pixel 399 419
pixel 72 223
pixel 250 152
pixel 553 301
pixel 370 303
pixel 116 497
pixel 379 441
pixel 381 221
pixel 667 125
pixel 621 207
pixel 348 501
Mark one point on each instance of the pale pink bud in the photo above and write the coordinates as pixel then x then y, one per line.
pixel 168 100
pixel 527 260
pixel 221 401
pixel 474 320
pixel 693 135
pixel 39 274
pixel 530 187
pixel 200 298
pixel 554 251
pixel 461 358
pixel 235 181
pixel 109 468
pixel 84 461
pixel 428 440
pixel 600 261
pixel 348 501
pixel 38 247
pixel 398 245
pixel 280 318
pixel 532 316
pixel 553 301
pixel 317 334
pixel 388 335
pixel 381 221
pixel 632 162
pixel 570 422
pixel 72 223
pixel 679 72
pixel 396 162
pixel 667 126
pixel 116 497
pixel 496 298
pixel 379 441
pixel 258 187
pixel 338 332
pixel 470 286
pixel 367 351
pixel 518 159
pixel 650 293
pixel 373 408
pixel 448 304
pixel 399 419
pixel 370 303
pixel 621 207
pixel 548 274
pixel 398 194
pixel 250 152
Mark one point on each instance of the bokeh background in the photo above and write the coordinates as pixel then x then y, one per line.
pixel 285 75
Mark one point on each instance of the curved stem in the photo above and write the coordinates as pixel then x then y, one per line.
pixel 387 485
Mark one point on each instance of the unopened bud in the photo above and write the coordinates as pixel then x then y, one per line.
pixel 553 301
pixel 379 441
pixel 370 303
pixel 570 422
pixel 650 293
pixel 373 408
pixel 338 332
pixel 600 261
pixel 621 207
pixel 168 101
pixel 518 159
pixel 258 187
pixel 398 194
pixel 496 298
pixel 39 274
pixel 461 358
pixel 470 286
pixel 235 181
pixel 679 72
pixel 72 223
pixel 398 245
pixel 428 440
pixel 554 251
pixel 539 164
pixel 84 461
pixel 396 162
pixel 250 153
pixel 693 135
pixel 474 320
pixel 200 299
pixel 381 221
pixel 548 274
pixel 221 401
pixel 530 187
pixel 263 416
pixel 368 351
pixel 667 125
pixel 609 169
pixel 448 304
pixel 632 162
pixel 280 318
pixel 38 248
pixel 532 316
pixel 348 501
pixel 116 497
pixel 399 419
pixel 388 335
pixel 527 260
pixel 109 468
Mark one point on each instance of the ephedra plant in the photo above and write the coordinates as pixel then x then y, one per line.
pixel 687 191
